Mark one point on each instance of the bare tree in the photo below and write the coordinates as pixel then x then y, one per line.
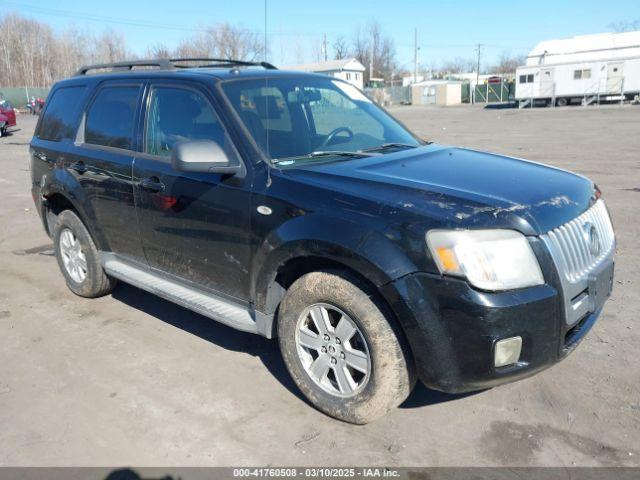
pixel 507 63
pixel 340 48
pixel 223 41
pixel 371 45
pixel 624 26
pixel 458 65
pixel 109 47
pixel 159 50
pixel 33 55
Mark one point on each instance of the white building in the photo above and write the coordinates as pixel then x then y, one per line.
pixel 348 69
pixel 587 69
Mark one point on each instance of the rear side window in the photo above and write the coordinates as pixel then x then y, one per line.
pixel 61 115
pixel 111 118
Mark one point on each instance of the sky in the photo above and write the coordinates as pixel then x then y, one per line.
pixel 296 28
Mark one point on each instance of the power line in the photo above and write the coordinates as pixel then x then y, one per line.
pixel 9 6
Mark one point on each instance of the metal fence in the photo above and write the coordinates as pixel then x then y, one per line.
pixel 19 96
pixel 494 92
pixel 397 95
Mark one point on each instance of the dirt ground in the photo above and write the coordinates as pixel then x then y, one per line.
pixel 132 379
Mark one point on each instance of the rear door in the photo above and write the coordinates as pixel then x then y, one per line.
pixel 615 75
pixel 103 162
pixel 194 226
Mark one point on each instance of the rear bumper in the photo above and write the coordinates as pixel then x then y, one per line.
pixel 452 330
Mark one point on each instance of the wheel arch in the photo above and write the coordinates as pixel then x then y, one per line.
pixel 334 244
pixel 56 200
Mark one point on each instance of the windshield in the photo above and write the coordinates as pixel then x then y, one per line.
pixel 293 118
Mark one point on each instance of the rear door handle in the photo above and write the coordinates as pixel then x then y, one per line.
pixel 153 184
pixel 79 167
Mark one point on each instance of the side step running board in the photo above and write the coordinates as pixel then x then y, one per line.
pixel 209 305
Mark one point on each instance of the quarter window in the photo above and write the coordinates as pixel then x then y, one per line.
pixel 61 115
pixel 177 114
pixel 110 119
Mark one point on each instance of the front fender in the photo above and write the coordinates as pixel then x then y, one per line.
pixel 369 253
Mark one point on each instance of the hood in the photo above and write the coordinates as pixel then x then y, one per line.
pixel 461 187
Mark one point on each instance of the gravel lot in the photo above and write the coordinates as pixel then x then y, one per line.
pixel 133 379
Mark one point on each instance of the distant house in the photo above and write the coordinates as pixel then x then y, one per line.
pixel 348 69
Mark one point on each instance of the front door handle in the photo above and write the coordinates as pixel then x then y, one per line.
pixel 153 184
pixel 79 167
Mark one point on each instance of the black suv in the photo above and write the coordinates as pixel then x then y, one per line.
pixel 289 204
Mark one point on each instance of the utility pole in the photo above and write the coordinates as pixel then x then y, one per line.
pixel 478 67
pixel 324 47
pixel 473 93
pixel 371 59
pixel 415 55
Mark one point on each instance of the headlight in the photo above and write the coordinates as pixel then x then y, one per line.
pixel 489 259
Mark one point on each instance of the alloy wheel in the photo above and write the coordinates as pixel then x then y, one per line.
pixel 333 350
pixel 73 258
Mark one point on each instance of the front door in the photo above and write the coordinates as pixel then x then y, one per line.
pixel 547 86
pixel 615 76
pixel 194 226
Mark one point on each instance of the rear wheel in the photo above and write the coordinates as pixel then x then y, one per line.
pixel 78 258
pixel 562 102
pixel 342 349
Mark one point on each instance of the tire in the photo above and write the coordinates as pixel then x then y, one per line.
pixel 562 102
pixel 78 258
pixel 390 373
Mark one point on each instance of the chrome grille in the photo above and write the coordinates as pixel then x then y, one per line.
pixel 573 245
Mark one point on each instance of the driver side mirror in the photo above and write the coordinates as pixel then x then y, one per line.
pixel 204 156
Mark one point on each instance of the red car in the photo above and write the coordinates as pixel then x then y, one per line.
pixel 7 117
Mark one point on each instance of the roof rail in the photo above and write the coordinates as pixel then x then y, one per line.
pixel 217 62
pixel 171 64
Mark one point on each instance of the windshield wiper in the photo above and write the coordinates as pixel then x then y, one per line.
pixel 340 153
pixel 386 146
pixel 326 153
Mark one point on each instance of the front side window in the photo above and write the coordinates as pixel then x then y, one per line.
pixel 111 118
pixel 296 117
pixel 178 114
pixel 60 117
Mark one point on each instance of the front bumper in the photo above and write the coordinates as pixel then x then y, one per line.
pixel 452 328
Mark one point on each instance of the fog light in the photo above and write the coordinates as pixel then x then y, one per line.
pixel 507 351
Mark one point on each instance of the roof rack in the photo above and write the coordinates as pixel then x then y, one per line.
pixel 172 64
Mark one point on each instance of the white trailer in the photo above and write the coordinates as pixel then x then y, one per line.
pixel 587 69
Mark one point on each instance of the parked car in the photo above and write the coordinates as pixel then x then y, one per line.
pixel 35 105
pixel 289 205
pixel 7 116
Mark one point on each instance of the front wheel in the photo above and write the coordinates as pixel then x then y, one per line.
pixel 342 349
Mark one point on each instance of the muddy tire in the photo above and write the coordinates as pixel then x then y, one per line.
pixel 78 258
pixel 342 348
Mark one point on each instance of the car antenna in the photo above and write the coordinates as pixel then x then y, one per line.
pixel 266 85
